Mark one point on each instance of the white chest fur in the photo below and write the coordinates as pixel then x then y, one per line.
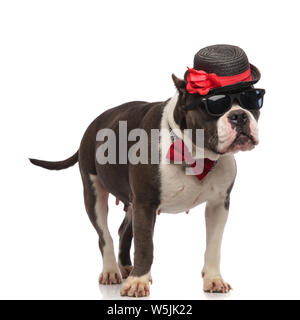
pixel 181 192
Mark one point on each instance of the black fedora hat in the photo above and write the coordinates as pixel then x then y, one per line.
pixel 223 67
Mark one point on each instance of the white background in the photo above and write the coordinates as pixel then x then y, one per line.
pixel 62 63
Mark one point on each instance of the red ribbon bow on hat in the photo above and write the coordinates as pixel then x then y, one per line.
pixel 178 151
pixel 199 81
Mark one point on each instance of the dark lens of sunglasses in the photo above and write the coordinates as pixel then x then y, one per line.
pixel 252 99
pixel 218 104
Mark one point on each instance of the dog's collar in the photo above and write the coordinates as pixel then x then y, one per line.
pixel 179 152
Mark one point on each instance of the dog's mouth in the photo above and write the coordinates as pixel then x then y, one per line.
pixel 242 142
pixel 242 138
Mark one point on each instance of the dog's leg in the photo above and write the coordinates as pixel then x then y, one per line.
pixel 216 214
pixel 125 233
pixel 137 284
pixel 96 198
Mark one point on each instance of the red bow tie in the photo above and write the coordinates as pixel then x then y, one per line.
pixel 178 151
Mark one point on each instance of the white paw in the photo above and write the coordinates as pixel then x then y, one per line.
pixel 215 284
pixel 137 286
pixel 110 277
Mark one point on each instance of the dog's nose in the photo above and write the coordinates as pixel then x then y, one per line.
pixel 238 118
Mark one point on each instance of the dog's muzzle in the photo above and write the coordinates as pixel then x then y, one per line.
pixel 237 131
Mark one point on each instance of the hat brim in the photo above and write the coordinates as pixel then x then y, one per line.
pixel 255 75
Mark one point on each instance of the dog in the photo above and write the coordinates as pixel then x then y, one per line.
pixel 148 189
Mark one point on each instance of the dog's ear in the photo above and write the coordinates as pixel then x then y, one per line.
pixel 179 111
pixel 179 84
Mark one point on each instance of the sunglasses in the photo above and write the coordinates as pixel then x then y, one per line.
pixel 218 104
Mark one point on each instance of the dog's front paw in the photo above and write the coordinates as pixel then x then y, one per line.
pixel 110 277
pixel 215 284
pixel 136 286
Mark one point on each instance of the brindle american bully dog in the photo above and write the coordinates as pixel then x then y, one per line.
pixel 217 95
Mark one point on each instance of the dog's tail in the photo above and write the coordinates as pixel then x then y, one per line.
pixel 56 165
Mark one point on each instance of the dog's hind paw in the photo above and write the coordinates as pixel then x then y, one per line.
pixel 125 271
pixel 113 277
pixel 215 285
pixel 136 286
